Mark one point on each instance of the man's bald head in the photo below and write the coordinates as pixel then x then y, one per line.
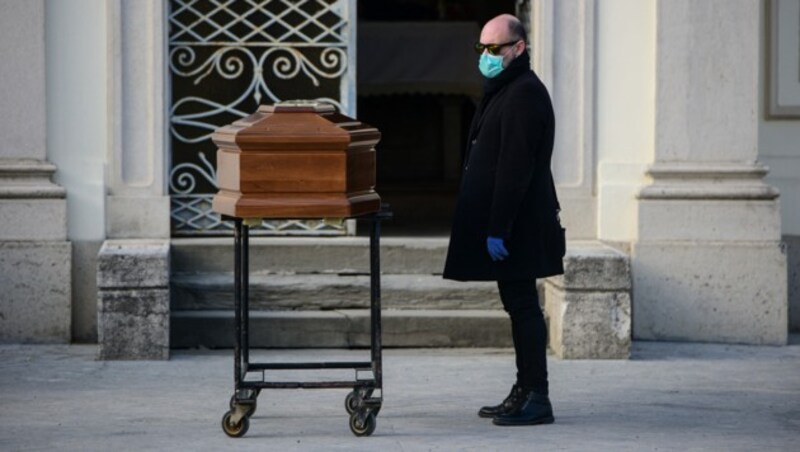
pixel 503 28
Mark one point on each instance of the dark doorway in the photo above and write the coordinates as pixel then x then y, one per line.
pixel 418 83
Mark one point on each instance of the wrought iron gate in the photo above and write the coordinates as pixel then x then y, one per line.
pixel 228 56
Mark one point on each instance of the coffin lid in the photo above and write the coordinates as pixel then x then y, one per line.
pixel 295 126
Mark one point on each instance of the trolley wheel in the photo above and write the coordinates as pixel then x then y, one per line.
pixel 362 424
pixel 234 430
pixel 354 398
pixel 351 402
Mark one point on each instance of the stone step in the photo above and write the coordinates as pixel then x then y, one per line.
pixel 344 328
pixel 324 291
pixel 399 255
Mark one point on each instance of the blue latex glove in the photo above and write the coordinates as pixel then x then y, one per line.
pixel 497 248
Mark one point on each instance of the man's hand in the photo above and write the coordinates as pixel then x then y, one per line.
pixel 496 248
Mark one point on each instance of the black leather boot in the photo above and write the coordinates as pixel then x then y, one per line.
pixel 534 409
pixel 509 404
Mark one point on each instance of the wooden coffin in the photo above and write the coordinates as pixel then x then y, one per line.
pixel 296 161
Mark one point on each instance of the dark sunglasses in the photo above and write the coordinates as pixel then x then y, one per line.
pixel 493 49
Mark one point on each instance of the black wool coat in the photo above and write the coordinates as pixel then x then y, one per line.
pixel 507 186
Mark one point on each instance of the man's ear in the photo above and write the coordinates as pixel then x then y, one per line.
pixel 518 49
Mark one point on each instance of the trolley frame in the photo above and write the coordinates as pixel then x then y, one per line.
pixel 360 403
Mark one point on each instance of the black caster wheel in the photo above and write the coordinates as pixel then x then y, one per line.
pixel 351 402
pixel 362 424
pixel 235 430
pixel 354 398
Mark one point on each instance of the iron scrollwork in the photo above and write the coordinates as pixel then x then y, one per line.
pixel 226 57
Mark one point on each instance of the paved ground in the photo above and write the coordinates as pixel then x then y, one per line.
pixel 667 397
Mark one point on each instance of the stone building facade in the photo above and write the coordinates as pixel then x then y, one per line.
pixel 677 144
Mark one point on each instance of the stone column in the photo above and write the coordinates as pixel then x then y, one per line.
pixel 35 256
pixel 562 54
pixel 707 264
pixel 137 206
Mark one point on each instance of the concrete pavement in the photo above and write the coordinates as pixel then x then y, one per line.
pixel 669 396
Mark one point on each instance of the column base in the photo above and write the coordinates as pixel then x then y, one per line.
pixel 35 304
pixel 35 256
pixel 732 292
pixel 708 264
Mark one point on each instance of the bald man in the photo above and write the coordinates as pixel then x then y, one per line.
pixel 506 225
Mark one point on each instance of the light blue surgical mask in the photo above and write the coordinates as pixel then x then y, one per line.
pixel 490 65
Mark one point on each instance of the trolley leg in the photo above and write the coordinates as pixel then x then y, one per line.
pixel 235 422
pixel 237 301
pixel 360 403
pixel 375 302
pixel 246 296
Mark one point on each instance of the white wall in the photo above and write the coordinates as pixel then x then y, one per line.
pixel 76 66
pixel 625 111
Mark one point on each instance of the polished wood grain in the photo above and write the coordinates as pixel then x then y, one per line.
pixel 264 172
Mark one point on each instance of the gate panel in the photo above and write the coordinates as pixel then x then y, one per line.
pixel 225 58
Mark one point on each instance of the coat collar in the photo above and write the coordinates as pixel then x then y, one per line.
pixel 493 86
pixel 516 67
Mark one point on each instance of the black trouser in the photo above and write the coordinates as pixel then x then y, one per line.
pixel 529 332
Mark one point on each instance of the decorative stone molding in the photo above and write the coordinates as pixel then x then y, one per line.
pixel 28 179
pixel 32 208
pixel 708 181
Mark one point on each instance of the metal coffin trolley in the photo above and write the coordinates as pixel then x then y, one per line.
pixel 299 160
